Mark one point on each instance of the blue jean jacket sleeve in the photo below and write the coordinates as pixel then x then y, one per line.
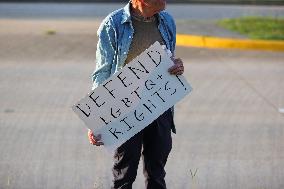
pixel 173 33
pixel 105 53
pixel 170 30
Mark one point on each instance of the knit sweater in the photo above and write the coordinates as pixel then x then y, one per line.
pixel 145 34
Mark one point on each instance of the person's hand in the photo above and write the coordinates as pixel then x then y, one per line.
pixel 95 140
pixel 177 68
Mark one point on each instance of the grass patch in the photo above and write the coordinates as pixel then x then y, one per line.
pixel 267 28
pixel 50 32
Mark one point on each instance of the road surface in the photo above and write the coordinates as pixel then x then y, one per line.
pixel 229 130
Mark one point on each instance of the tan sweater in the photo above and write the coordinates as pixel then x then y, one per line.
pixel 145 34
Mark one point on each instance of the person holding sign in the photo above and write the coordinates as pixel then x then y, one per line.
pixel 123 35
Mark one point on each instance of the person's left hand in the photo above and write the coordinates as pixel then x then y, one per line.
pixel 177 68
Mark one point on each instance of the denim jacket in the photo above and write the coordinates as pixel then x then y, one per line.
pixel 114 39
pixel 115 35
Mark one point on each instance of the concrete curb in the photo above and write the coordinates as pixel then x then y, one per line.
pixel 229 43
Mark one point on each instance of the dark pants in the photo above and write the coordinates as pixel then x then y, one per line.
pixel 156 142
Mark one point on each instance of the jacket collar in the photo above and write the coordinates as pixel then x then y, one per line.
pixel 126 17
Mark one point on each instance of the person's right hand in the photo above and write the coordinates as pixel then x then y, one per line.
pixel 95 140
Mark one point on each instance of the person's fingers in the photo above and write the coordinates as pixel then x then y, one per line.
pixel 99 143
pixel 177 61
pixel 95 140
pixel 176 69
pixel 98 137
pixel 175 66
pixel 92 140
pixel 91 137
pixel 90 134
pixel 177 72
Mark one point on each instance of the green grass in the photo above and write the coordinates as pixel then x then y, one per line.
pixel 267 28
pixel 50 32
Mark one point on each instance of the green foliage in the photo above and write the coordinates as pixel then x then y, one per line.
pixel 256 27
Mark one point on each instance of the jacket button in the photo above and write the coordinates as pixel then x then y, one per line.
pixel 124 53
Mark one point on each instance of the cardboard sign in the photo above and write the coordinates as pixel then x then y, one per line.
pixel 132 98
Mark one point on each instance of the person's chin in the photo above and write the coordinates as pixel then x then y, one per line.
pixel 161 9
pixel 164 7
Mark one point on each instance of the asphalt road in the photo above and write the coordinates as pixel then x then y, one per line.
pixel 100 10
pixel 229 130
